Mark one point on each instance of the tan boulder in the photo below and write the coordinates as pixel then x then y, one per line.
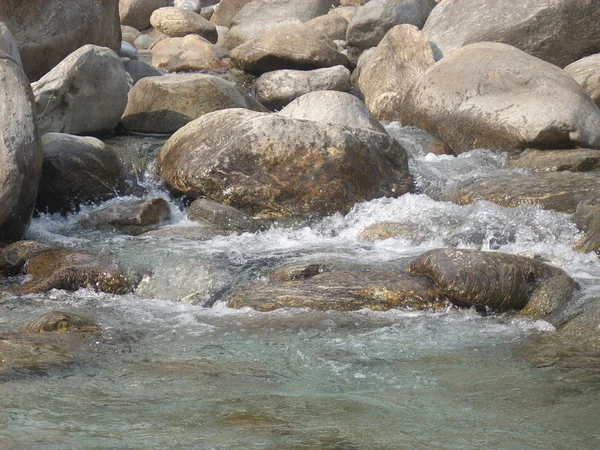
pixel 226 10
pixel 179 22
pixel 136 13
pixel 189 53
pixel 129 34
pixel 586 72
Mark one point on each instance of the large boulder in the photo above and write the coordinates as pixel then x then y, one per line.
pixel 189 53
pixel 136 13
pixel 179 22
pixel 47 31
pixel 495 280
pixel 491 95
pixel 586 72
pixel 373 20
pixel 8 44
pixel 20 151
pixel 398 62
pixel 165 104
pixel 77 170
pixel 295 46
pixel 272 166
pixel 332 25
pixel 557 31
pixel 278 88
pixel 86 92
pixel 335 108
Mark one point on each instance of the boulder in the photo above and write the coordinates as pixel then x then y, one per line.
pixel 321 288
pixel 129 34
pixel 165 104
pixel 373 20
pixel 144 42
pixel 499 281
pixel 416 142
pixel 20 151
pixel 334 108
pixel 133 217
pixel 278 88
pixel 72 270
pixel 8 45
pixel 586 212
pixel 333 26
pixel 400 59
pixel 347 12
pixel 490 95
pixel 138 69
pixel 86 92
pixel 222 218
pixel 77 170
pixel 271 166
pixel 178 22
pixel 575 160
pixel 48 31
pixel 136 13
pixel 128 51
pixel 15 256
pixel 586 72
pixel 191 5
pixel 190 53
pixel 226 10
pixel 591 241
pixel 557 31
pixel 295 46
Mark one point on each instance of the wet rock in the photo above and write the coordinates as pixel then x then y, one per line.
pixel 341 289
pixel 178 22
pixel 574 160
pixel 549 296
pixel 278 88
pixel 8 44
pixel 72 270
pixel 190 233
pixel 416 142
pixel 129 34
pixel 136 13
pixel 62 322
pixel 586 72
pixel 334 108
pixel 489 95
pixel 188 54
pixel 130 217
pixel 373 20
pixel 13 257
pixel 20 151
pixel 591 241
pixel 165 104
pixel 386 230
pixel 47 31
pixel 400 59
pixel 139 69
pixel 77 170
pixel 499 281
pixel 294 46
pixel 226 10
pixel 557 31
pixel 270 166
pixel 586 211
pixel 89 76
pixel 222 217
pixel 333 26
pixel 560 191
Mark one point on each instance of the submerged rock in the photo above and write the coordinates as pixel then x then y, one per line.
pixel 343 289
pixel 416 142
pixel 222 218
pixel 13 257
pixel 495 280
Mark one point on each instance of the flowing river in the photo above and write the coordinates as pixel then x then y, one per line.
pixel 170 372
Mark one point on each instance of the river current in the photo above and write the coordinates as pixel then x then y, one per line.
pixel 168 372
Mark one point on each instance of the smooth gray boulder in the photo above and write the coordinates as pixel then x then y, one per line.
pixel 586 72
pixel 373 20
pixel 334 108
pixel 8 44
pixel 165 104
pixel 495 96
pixel 20 151
pixel 270 166
pixel 557 31
pixel 400 59
pixel 85 93
pixel 278 88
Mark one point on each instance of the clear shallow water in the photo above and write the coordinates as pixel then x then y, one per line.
pixel 168 373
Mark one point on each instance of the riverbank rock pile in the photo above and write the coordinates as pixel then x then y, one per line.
pixel 284 122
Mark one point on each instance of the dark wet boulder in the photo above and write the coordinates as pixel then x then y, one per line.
pixel 15 256
pixel 270 166
pixel 77 170
pixel 71 270
pixel 178 22
pixel 490 95
pixel 188 54
pixel 294 46
pixel 222 218
pixel 499 281
pixel 560 191
pixel 91 75
pixel 586 71
pixel 557 31
pixel 20 151
pixel 318 287
pixel 165 104
pixel 573 160
pixel 47 31
pixel 130 216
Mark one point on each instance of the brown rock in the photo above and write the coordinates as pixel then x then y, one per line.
pixel 331 25
pixel 129 34
pixel 586 72
pixel 190 53
pixel 13 257
pixel 136 13
pixel 178 22
pixel 226 10
pixel 575 160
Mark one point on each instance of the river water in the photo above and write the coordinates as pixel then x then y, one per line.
pixel 168 372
